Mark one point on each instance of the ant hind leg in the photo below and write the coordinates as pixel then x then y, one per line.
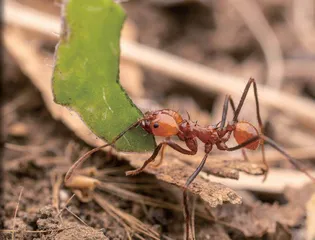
pixel 237 111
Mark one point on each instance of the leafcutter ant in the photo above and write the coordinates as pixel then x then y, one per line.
pixel 167 123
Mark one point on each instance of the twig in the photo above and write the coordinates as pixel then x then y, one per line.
pixel 17 102
pixel 113 189
pixel 132 196
pixel 69 200
pixel 14 163
pixel 69 151
pixel 272 155
pixel 198 75
pixel 303 22
pixel 259 26
pixel 76 216
pixel 24 148
pixel 277 180
pixel 56 183
pixel 15 212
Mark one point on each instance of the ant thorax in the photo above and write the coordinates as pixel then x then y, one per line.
pixel 190 129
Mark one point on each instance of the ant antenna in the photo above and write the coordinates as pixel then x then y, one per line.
pixel 89 153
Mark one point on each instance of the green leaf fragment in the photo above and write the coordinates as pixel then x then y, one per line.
pixel 86 73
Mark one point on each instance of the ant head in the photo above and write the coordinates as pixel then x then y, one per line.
pixel 159 124
pixel 243 132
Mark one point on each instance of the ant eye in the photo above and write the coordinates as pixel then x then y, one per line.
pixel 155 125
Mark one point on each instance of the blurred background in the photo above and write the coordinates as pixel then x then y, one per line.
pixel 177 54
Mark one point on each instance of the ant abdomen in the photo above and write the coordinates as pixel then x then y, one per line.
pixel 245 131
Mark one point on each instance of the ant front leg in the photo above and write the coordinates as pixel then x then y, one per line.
pixel 156 165
pixel 192 144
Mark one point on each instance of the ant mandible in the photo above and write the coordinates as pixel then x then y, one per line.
pixel 167 123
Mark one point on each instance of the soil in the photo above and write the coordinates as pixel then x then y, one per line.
pixel 41 149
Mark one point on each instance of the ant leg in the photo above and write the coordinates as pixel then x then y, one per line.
pixel 244 155
pixel 155 165
pixel 233 108
pixel 284 153
pixel 237 111
pixel 89 153
pixel 153 156
pixel 186 214
pixel 170 143
pixel 275 146
pixel 228 99
pixel 225 110
pixel 239 146
pixel 197 171
pixel 262 136
pixel 188 223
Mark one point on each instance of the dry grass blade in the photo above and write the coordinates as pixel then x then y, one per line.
pixel 115 189
pixel 259 26
pixel 68 201
pixel 125 218
pixel 21 148
pixel 56 183
pixel 276 182
pixel 76 216
pixel 303 23
pixel 15 212
pixel 131 196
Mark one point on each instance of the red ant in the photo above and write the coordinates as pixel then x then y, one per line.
pixel 167 123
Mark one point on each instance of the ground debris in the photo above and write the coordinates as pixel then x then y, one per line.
pixel 176 172
pixel 222 168
pixel 231 169
pixel 260 219
pixel 299 196
pixel 213 232
pixel 80 232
